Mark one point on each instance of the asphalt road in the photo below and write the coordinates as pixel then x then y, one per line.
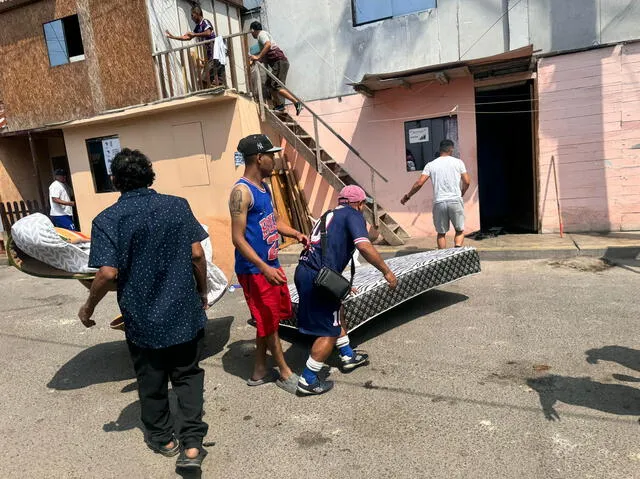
pixel 527 370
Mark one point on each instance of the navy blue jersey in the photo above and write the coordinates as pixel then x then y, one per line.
pixel 345 229
pixel 261 232
pixel 202 27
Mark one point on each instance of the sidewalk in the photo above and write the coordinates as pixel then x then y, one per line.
pixel 518 246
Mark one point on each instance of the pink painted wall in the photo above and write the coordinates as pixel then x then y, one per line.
pixel 375 127
pixel 589 119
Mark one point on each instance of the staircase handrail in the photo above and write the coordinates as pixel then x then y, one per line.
pixel 326 125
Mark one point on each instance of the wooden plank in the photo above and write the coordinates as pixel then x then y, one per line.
pixel 232 62
pixel 163 86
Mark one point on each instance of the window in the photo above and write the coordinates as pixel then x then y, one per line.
pixel 64 41
pixel 367 11
pixel 101 152
pixel 422 140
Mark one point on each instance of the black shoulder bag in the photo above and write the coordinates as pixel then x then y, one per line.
pixel 328 279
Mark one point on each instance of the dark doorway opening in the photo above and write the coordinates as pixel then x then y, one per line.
pixel 506 175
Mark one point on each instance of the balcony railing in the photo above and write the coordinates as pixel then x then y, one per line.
pixel 185 70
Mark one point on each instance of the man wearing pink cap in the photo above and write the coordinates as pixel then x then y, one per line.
pixel 318 311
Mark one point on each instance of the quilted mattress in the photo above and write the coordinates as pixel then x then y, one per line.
pixel 416 274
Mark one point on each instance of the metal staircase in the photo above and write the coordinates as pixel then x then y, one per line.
pixel 335 174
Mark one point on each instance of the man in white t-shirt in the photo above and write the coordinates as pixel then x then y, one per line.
pixel 61 212
pixel 450 182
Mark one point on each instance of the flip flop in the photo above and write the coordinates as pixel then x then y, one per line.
pixel 184 462
pixel 163 449
pixel 270 377
pixel 290 385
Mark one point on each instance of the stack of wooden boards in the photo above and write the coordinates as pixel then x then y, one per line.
pixel 289 201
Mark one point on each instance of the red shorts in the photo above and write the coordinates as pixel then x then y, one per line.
pixel 267 303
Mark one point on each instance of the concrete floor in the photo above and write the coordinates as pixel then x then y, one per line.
pixel 454 388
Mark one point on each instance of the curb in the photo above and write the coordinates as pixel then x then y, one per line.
pixel 486 255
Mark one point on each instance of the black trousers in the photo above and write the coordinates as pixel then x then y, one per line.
pixel 178 364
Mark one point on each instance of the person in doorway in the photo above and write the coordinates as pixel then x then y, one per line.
pixel 450 182
pixel 318 312
pixel 272 56
pixel 60 194
pixel 255 228
pixel 147 247
pixel 213 72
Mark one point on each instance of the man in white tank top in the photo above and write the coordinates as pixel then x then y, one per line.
pixel 450 182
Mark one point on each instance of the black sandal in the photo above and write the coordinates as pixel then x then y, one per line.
pixel 163 449
pixel 184 462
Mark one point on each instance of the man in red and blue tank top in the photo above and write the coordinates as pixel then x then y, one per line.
pixel 255 230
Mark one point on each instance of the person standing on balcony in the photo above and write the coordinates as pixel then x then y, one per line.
pixel 214 70
pixel 255 230
pixel 61 212
pixel 272 56
pixel 450 183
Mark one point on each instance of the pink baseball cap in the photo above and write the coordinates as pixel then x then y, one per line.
pixel 352 194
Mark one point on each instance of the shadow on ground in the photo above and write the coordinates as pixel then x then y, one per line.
pixel 427 303
pixel 626 257
pixel 110 362
pixel 612 398
pixel 239 357
pixel 583 391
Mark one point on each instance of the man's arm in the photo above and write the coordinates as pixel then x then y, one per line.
pixel 466 181
pixel 104 282
pixel 415 188
pixel 62 202
pixel 286 230
pixel 373 257
pixel 183 38
pixel 238 206
pixel 199 263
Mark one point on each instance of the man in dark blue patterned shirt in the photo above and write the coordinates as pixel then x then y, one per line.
pixel 147 246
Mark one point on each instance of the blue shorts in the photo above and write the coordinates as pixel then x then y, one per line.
pixel 65 222
pixel 318 313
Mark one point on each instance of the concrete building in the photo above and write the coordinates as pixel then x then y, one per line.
pixel 514 82
pixel 574 101
pixel 79 79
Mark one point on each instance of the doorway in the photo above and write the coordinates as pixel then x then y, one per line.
pixel 506 171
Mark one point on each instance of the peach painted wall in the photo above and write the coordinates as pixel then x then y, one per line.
pixel 223 122
pixel 375 127
pixel 589 119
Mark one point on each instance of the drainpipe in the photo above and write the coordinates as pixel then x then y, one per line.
pixel 34 159
pixel 505 26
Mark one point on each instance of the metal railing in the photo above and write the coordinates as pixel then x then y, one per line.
pixel 184 70
pixel 317 119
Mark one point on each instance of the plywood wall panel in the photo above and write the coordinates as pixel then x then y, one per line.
pixel 123 47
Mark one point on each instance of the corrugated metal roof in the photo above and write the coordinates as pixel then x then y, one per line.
pixel 382 81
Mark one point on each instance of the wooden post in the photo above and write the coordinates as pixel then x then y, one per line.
pixel 169 79
pixel 183 60
pixel 159 79
pixel 34 159
pixel 232 63
pixel 163 86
